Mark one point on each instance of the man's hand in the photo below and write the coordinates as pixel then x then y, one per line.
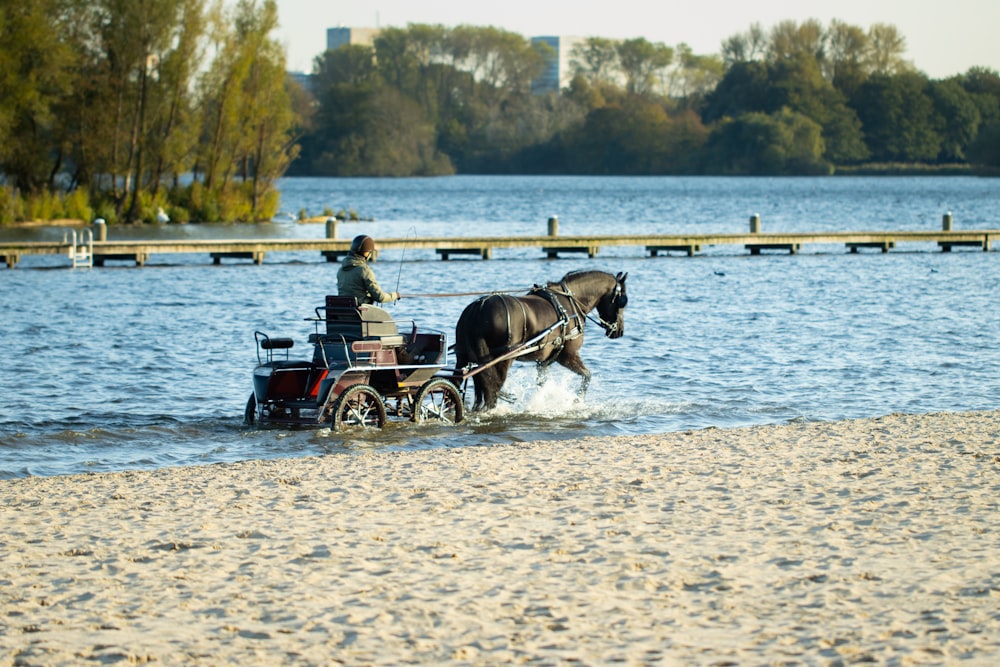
pixel 396 296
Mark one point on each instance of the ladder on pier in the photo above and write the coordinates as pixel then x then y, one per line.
pixel 81 249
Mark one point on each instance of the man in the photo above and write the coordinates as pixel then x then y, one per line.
pixel 355 278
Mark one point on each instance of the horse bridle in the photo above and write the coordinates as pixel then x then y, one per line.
pixel 618 299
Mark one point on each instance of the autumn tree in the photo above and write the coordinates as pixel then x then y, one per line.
pixel 249 129
pixel 642 63
pixel 847 54
pixel 693 76
pixel 789 40
pixel 35 74
pixel 596 60
pixel 749 46
pixel 886 50
pixel 173 125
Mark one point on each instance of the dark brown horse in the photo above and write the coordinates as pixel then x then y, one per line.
pixel 545 326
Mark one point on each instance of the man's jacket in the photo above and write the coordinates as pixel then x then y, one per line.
pixel 355 278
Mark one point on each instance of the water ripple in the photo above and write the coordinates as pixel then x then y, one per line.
pixel 126 368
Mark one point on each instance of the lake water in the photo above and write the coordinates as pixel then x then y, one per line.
pixel 123 367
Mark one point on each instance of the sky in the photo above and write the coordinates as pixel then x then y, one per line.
pixel 942 38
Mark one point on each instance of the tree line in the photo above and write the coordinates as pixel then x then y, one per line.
pixel 798 98
pixel 118 108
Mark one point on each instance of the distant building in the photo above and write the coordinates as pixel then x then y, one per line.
pixel 557 74
pixel 338 37
pixel 558 70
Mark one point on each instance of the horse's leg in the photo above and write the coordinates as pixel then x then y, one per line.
pixel 499 376
pixel 477 382
pixel 543 374
pixel 488 383
pixel 573 362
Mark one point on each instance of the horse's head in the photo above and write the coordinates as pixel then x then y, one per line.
pixel 611 308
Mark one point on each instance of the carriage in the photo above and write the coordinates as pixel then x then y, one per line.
pixel 363 372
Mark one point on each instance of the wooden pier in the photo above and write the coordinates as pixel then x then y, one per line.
pixel 138 252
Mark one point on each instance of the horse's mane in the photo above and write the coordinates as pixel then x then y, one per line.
pixel 579 273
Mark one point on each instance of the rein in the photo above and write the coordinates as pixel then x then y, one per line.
pixel 446 295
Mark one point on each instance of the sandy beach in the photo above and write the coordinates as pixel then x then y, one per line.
pixel 869 541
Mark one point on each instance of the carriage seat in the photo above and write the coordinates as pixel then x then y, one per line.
pixel 346 317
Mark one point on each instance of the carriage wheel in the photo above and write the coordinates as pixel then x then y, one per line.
pixel 359 406
pixel 438 400
pixel 250 413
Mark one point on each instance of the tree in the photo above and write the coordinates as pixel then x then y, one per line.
pixel 374 130
pixel 129 118
pixel 746 47
pixel 792 41
pixel 595 59
pixel 634 135
pixel 956 118
pixel 249 130
pixel 268 123
pixel 847 55
pixel 173 128
pixel 694 76
pixel 897 117
pixel 784 142
pixel 35 71
pixel 641 61
pixel 501 61
pixel 126 43
pixel 886 49
pixel 397 61
pixel 985 148
pixel 744 88
pixel 116 96
pixel 352 64
pixel 983 86
pixel 796 84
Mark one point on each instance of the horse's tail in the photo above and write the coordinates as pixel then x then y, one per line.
pixel 471 347
pixel 466 334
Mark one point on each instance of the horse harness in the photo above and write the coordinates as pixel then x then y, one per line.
pixel 566 334
pixel 618 298
pixel 568 322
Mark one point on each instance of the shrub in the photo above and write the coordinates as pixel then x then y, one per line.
pixel 76 205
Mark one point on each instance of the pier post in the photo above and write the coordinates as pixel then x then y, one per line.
pixel 554 226
pixel 755 223
pixel 100 230
pixel 946 245
pixel 331 228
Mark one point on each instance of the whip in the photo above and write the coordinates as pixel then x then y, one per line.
pixel 399 274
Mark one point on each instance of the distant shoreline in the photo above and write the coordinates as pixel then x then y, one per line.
pixel 874 170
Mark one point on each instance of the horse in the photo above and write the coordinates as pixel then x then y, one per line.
pixel 544 326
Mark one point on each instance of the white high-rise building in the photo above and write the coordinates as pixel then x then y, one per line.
pixel 338 37
pixel 557 74
pixel 558 70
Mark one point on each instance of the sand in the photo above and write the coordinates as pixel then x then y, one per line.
pixel 869 541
